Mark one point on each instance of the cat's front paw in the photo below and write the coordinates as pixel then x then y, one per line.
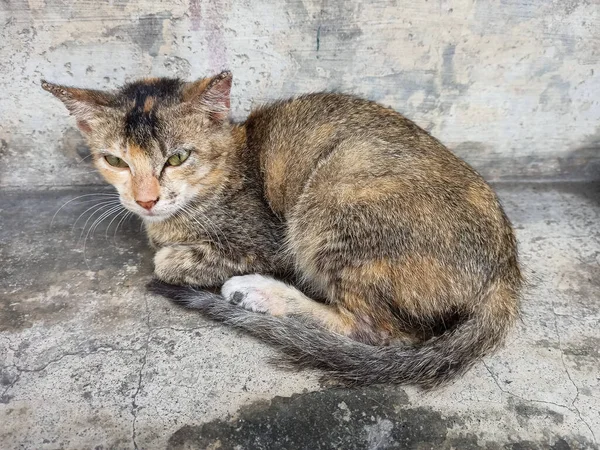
pixel 258 293
pixel 167 265
pixel 188 265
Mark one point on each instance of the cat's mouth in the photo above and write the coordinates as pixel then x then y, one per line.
pixel 156 214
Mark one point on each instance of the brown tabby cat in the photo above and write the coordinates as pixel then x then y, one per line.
pixel 406 247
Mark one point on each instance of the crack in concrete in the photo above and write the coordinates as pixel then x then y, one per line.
pixel 184 330
pixel 562 359
pixel 506 391
pixel 566 315
pixel 134 405
pixel 573 407
pixel 99 349
pixel 103 348
pixel 9 387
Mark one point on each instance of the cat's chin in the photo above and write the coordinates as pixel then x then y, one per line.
pixel 154 218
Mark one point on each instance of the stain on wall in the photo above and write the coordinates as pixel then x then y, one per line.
pixel 146 32
pixel 517 77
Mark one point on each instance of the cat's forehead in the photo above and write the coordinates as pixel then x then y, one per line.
pixel 163 90
pixel 141 100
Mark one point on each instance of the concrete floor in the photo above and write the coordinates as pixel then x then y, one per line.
pixel 88 359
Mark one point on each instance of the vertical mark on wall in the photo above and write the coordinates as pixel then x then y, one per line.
pixel 195 14
pixel 210 15
pixel 318 38
pixel 448 76
pixel 448 65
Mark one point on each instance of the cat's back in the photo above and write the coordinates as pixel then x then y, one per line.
pixel 311 122
pixel 357 137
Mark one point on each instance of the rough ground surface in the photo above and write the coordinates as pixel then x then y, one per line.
pixel 88 359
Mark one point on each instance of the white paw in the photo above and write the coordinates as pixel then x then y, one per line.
pixel 257 293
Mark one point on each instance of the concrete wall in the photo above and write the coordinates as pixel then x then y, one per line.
pixel 511 85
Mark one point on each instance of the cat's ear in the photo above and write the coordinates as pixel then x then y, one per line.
pixel 84 104
pixel 212 94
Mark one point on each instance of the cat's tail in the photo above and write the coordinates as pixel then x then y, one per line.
pixel 429 364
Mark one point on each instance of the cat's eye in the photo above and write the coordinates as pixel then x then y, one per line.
pixel 178 158
pixel 115 161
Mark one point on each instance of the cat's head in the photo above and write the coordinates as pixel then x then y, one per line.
pixel 160 142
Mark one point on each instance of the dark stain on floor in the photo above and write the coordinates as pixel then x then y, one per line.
pixel 349 419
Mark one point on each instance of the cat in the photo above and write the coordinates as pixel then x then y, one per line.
pixel 401 264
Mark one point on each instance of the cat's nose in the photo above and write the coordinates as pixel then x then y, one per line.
pixel 147 204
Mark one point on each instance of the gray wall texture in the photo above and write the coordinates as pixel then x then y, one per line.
pixel 510 85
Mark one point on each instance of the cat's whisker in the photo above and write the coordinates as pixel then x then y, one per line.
pixel 86 157
pixel 74 172
pixel 111 222
pixel 102 203
pixel 93 227
pixel 184 219
pixel 188 216
pixel 97 204
pixel 78 197
pixel 208 222
pixel 85 170
pixel 103 217
pixel 128 215
pixel 216 231
pixel 99 208
pixel 219 230
pixel 85 202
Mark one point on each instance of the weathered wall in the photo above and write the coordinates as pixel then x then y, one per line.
pixel 511 85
